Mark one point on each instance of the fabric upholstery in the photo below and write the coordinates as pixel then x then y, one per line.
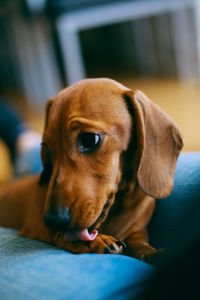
pixel 34 270
pixel 31 269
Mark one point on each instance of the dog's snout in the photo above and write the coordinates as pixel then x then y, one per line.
pixel 58 219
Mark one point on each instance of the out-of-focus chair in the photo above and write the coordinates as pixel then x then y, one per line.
pixel 30 32
pixel 72 17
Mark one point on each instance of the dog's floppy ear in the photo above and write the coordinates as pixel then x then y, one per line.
pixel 45 153
pixel 158 145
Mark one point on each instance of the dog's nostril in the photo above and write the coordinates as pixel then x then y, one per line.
pixel 58 220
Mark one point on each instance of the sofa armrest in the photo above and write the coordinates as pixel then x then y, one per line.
pixel 176 218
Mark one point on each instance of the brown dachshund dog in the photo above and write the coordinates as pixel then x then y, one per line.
pixel 107 153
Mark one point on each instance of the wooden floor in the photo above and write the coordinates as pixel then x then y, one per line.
pixel 181 100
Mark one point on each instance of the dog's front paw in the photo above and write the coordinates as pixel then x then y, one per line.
pixel 106 244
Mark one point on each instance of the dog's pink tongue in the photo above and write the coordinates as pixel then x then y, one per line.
pixel 85 235
pixel 82 235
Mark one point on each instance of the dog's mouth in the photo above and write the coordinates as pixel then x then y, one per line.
pixel 87 234
pixel 81 235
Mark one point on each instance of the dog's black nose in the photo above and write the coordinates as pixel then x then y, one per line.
pixel 58 219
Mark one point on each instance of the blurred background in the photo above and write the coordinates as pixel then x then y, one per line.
pixel 152 45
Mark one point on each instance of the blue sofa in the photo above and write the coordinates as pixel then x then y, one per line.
pixel 31 269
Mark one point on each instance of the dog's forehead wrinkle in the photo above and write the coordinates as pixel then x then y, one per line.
pixel 93 98
pixel 105 111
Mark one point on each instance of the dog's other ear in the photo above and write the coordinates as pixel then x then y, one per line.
pixel 48 106
pixel 45 153
pixel 158 145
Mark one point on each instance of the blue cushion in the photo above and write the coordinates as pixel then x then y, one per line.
pixel 34 270
pixel 31 269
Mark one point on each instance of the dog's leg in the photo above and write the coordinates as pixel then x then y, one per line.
pixel 138 246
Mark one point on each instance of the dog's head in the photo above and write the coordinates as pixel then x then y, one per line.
pixel 98 134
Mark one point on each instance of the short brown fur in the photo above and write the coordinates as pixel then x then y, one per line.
pixel 134 165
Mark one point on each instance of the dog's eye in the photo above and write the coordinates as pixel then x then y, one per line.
pixel 88 142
